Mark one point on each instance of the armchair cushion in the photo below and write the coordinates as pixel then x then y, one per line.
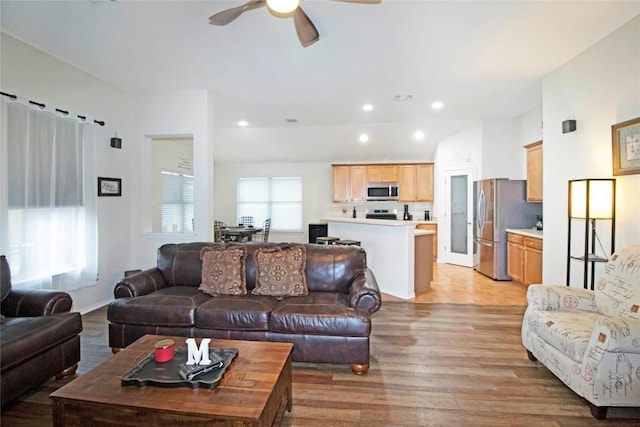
pixel 569 333
pixel 618 293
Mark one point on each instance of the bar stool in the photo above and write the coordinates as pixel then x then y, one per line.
pixel 347 242
pixel 327 240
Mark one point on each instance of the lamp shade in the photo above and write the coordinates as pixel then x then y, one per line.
pixel 283 6
pixel 592 198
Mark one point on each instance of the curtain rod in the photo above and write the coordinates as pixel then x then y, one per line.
pixel 41 105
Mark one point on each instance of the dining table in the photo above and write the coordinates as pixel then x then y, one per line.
pixel 240 233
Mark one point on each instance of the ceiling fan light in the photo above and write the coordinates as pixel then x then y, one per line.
pixel 283 6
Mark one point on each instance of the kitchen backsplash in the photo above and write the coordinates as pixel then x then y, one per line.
pixel 346 209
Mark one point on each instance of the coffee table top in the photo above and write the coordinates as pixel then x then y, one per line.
pixel 243 392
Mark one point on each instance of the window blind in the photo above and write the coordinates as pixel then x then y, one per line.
pixel 177 202
pixel 278 198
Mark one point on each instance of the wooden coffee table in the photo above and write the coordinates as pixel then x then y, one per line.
pixel 255 390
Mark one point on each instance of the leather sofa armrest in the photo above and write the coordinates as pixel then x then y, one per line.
pixel 35 302
pixel 139 284
pixel 616 335
pixel 560 298
pixel 365 293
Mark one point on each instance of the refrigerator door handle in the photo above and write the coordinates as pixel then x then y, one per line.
pixel 480 215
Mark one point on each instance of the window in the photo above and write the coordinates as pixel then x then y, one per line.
pixel 278 198
pixel 177 202
pixel 49 222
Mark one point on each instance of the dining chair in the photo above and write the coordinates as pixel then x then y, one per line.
pixel 218 235
pixel 246 220
pixel 265 229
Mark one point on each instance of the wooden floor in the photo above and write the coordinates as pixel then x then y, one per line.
pixel 452 361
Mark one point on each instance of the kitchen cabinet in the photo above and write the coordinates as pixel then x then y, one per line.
pixel 382 173
pixel 534 172
pixel 515 257
pixel 415 182
pixel 434 228
pixel 524 258
pixel 532 261
pixel 349 183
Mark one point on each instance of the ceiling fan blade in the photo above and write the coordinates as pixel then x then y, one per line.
pixel 226 16
pixel 307 32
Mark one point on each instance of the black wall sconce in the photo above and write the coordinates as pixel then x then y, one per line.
pixel 116 142
pixel 568 126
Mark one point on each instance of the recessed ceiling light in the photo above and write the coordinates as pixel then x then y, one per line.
pixel 243 123
pixel 364 138
pixel 367 107
pixel 437 105
pixel 418 135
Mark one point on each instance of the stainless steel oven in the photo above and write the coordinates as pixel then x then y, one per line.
pixel 382 191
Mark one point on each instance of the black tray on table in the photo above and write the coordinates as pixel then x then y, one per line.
pixel 149 372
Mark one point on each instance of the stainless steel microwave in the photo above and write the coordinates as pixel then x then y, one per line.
pixel 382 191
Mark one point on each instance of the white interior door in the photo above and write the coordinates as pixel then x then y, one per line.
pixel 458 247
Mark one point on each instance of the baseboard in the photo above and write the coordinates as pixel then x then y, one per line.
pixel 95 306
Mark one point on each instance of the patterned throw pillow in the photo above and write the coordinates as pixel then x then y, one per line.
pixel 224 270
pixel 280 272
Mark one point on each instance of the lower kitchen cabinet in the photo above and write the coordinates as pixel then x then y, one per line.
pixel 434 228
pixel 524 258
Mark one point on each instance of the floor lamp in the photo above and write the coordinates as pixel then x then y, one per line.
pixel 591 200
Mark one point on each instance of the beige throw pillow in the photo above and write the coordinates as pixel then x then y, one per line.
pixel 280 272
pixel 224 270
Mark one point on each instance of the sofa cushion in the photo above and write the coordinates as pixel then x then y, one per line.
pixel 617 292
pixel 5 278
pixel 23 338
pixel 568 332
pixel 174 306
pixel 280 272
pixel 320 313
pixel 248 312
pixel 223 270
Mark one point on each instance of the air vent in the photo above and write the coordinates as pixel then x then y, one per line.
pixel 292 120
pixel 403 98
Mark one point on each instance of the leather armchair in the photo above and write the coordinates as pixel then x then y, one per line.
pixel 39 337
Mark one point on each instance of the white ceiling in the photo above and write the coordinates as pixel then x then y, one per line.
pixel 483 59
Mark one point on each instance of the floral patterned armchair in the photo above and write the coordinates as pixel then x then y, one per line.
pixel 590 340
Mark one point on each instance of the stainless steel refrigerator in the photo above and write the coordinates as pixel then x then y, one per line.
pixel 499 204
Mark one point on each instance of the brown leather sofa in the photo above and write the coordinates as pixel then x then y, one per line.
pixel 331 324
pixel 39 337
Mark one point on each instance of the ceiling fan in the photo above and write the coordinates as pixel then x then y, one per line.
pixel 307 32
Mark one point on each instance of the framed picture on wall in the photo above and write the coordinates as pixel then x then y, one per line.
pixel 625 138
pixel 109 187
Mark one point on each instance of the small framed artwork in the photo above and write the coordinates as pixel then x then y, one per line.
pixel 625 138
pixel 109 187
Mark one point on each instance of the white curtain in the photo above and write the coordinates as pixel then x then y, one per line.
pixel 48 199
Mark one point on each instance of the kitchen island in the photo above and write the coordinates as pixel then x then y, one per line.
pixel 399 255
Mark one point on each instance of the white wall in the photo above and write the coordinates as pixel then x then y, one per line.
pixel 600 87
pixel 179 113
pixel 502 152
pixel 32 74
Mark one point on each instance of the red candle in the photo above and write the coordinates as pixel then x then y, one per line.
pixel 164 350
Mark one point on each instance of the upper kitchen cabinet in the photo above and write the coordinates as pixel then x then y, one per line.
pixel 415 182
pixel 534 171
pixel 349 183
pixel 382 173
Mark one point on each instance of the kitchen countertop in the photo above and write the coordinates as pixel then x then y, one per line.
pixel 386 222
pixel 526 232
